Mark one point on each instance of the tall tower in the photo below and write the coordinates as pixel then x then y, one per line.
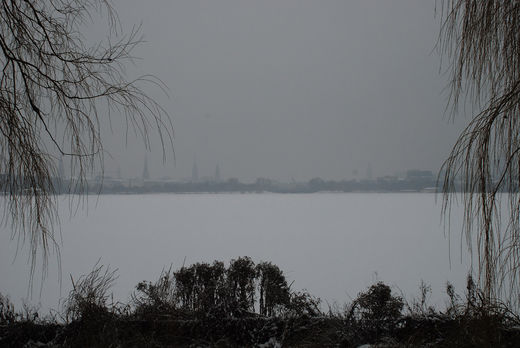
pixel 194 172
pixel 146 173
pixel 217 173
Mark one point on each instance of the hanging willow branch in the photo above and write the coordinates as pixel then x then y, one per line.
pixel 54 91
pixel 482 42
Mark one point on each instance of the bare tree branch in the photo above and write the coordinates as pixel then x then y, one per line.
pixel 482 41
pixel 54 92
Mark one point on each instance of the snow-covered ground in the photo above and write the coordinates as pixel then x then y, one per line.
pixel 333 245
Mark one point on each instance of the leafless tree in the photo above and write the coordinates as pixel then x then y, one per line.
pixel 481 40
pixel 55 90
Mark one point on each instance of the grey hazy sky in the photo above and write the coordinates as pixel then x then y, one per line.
pixel 292 88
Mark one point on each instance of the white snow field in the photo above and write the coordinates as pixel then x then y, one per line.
pixel 332 244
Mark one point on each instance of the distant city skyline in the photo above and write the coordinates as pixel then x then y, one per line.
pixel 198 176
pixel 289 90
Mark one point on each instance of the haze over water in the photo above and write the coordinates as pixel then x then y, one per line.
pixel 332 244
pixel 291 89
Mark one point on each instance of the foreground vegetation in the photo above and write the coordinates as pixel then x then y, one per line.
pixel 209 305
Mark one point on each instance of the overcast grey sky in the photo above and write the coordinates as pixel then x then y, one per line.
pixel 292 89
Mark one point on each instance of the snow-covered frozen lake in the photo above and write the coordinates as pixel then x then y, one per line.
pixel 334 245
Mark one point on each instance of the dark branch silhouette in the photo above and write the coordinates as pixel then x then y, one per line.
pixel 54 91
pixel 481 40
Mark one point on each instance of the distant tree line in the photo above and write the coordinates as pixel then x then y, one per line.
pixel 384 184
pixel 411 183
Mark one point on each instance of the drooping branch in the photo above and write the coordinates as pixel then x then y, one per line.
pixel 482 42
pixel 55 89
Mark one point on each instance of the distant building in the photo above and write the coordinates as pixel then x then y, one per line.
pixel 217 173
pixel 387 178
pixel 194 172
pixel 369 172
pixel 419 175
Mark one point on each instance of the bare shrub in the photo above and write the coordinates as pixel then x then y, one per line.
pixel 273 291
pixel 419 306
pixel 241 276
pixel 303 303
pixel 89 297
pixel 210 286
pixel 185 287
pixel 156 298
pixel 454 301
pixel 375 313
pixel 7 313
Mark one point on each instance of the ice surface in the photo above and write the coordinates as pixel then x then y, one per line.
pixel 333 245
